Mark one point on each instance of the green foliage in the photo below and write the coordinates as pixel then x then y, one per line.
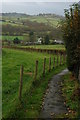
pixel 31 33
pixel 46 41
pixel 71 35
pixel 71 94
pixel 16 40
pixel 32 37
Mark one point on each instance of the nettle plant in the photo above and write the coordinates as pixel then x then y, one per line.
pixel 71 37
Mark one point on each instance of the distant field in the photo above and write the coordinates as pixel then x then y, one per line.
pixel 52 21
pixel 11 61
pixel 54 47
pixel 40 25
pixel 12 37
pixel 13 24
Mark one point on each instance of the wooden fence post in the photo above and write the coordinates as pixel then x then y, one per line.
pixel 53 62
pixel 49 64
pixel 21 82
pixel 57 59
pixel 60 58
pixel 64 57
pixel 36 69
pixel 44 63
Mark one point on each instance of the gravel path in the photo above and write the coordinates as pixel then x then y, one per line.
pixel 53 103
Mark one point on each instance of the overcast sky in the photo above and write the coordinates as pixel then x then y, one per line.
pixel 35 7
pixel 39 0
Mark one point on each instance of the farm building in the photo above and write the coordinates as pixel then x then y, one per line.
pixel 58 42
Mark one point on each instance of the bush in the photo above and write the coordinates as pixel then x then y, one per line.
pixel 71 36
pixel 16 40
pixel 47 40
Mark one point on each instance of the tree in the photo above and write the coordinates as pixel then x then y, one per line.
pixel 32 37
pixel 42 42
pixel 16 40
pixel 71 36
pixel 46 41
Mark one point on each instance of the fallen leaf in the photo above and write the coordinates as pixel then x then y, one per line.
pixel 66 114
pixel 52 114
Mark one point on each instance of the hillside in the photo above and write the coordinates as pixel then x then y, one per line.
pixel 19 24
pixel 25 15
pixel 49 19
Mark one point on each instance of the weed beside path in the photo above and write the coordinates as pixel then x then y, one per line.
pixel 71 92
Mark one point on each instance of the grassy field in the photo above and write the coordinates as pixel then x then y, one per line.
pixel 54 47
pixel 24 37
pixel 30 23
pixel 52 21
pixel 12 37
pixel 13 24
pixel 11 61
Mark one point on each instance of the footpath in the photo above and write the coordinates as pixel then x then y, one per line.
pixel 53 103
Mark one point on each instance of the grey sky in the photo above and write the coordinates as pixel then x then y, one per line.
pixel 35 7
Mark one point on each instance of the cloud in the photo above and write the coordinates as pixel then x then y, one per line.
pixel 35 7
pixel 40 1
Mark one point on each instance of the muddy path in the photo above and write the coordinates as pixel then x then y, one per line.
pixel 53 103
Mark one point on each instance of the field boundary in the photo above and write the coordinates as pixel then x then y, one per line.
pixel 61 60
pixel 30 49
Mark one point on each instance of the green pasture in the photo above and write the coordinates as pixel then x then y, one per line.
pixel 11 62
pixel 54 47
pixel 24 37
pixel 12 59
pixel 18 24
pixel 40 19
pixel 52 21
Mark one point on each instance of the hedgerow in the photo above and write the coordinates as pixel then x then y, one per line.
pixel 71 36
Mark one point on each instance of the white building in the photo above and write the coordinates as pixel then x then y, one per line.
pixel 58 42
pixel 39 40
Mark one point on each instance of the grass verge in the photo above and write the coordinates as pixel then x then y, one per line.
pixel 31 103
pixel 71 93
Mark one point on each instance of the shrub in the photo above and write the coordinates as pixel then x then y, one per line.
pixel 47 40
pixel 71 36
pixel 16 40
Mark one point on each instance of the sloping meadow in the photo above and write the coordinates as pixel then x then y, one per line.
pixel 11 62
